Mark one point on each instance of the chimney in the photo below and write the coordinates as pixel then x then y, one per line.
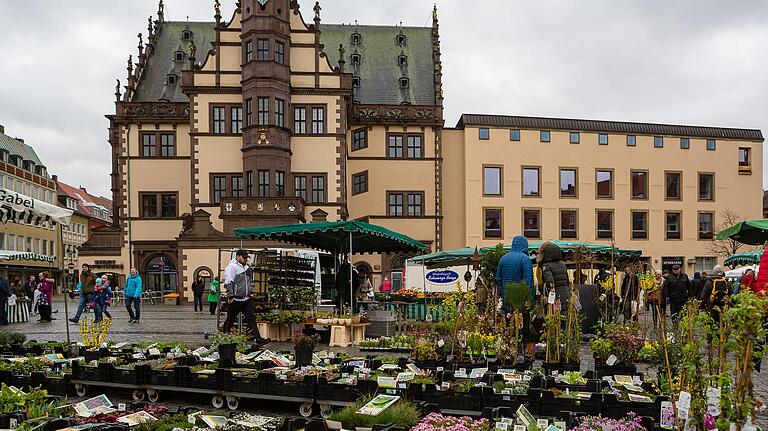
pixel 83 189
pixel 2 129
pixel 19 139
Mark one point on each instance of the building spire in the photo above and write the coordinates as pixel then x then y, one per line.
pixel 149 28
pixel 217 10
pixel 160 11
pixel 141 45
pixel 317 10
pixel 117 91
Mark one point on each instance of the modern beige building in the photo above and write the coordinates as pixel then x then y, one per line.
pixel 272 116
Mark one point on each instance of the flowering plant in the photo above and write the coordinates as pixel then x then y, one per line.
pixel 438 422
pixel 597 423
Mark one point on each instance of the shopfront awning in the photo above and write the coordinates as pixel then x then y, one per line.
pixel 744 258
pixel 8 255
pixel 22 209
pixel 753 232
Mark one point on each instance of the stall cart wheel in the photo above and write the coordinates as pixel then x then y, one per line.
pixel 232 402
pixel 138 395
pixel 305 410
pixel 81 389
pixel 325 411
pixel 153 395
pixel 217 401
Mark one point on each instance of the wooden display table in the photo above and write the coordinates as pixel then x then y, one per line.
pixel 274 331
pixel 347 335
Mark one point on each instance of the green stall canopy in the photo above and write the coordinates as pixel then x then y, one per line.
pixel 753 232
pixel 745 258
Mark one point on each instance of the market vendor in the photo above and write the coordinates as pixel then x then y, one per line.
pixel 238 285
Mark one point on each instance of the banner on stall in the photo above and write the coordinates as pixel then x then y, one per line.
pixel 18 208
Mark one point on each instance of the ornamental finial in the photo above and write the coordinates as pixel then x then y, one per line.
pixel 117 90
pixel 217 7
pixel 130 65
pixel 192 49
pixel 141 43
pixel 149 27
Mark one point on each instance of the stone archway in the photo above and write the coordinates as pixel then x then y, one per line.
pixel 160 273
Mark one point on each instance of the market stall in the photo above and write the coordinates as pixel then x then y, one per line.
pixel 750 257
pixel 17 309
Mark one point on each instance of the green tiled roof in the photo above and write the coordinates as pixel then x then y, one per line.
pixel 15 147
pixel 153 85
pixel 379 70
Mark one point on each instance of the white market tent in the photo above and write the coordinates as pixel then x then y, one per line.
pixel 738 272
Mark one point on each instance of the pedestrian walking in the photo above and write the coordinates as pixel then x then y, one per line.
pixel 676 290
pixel 5 293
pixel 716 293
pixel 697 286
pixel 45 286
pixel 98 300
pixel 30 287
pixel 386 286
pixel 748 282
pixel 515 267
pixel 86 288
pixel 132 294
pixel 213 295
pixel 197 292
pixel 554 273
pixel 630 291
pixel 238 285
pixel 107 294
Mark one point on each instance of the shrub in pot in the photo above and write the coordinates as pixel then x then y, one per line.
pixel 303 347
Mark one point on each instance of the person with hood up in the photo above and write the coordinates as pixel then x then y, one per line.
pixel 132 292
pixel 748 282
pixel 697 285
pixel 717 292
pixel 238 285
pixel 515 267
pixel 554 273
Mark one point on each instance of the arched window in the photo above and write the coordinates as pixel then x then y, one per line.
pixel 161 274
pixel 206 274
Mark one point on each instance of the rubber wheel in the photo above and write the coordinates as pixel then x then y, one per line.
pixel 232 402
pixel 217 401
pixel 138 395
pixel 325 411
pixel 81 389
pixel 153 395
pixel 305 410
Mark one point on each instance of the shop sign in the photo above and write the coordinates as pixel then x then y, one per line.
pixel 107 264
pixel 442 276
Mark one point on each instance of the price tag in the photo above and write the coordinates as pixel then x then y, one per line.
pixel 439 369
pixel 520 428
pixel 684 401
pixel 445 385
pixel 611 360
pixel 440 343
pixel 401 385
pixel 391 392
pixel 121 407
pixel 551 297
pixel 12 423
pixel 506 398
pixel 577 303
pixel 542 423
pixel 502 426
pixel 602 297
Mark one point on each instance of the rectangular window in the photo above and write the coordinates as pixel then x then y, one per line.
pixel 639 225
pixel 492 180
pixel 532 224
pixel 263 184
pixel 745 159
pixel 395 146
pixel 706 187
pixel 639 183
pixel 237 186
pixel 415 204
pixel 248 51
pixel 493 223
pixel 705 264
pixel 414 147
pixel 299 120
pixel 262 50
pixel 262 114
pixel 149 206
pixel 544 136
pixel 168 205
pixel 318 189
pixel 318 120
pixel 249 183
pixel 673 225
pixel 706 225
pixel 604 183
pixel 219 188
pixel 248 112
pixel 575 137
pixel 658 141
pixel 279 183
pixel 631 140
pixel 685 143
pixel 514 134
pixel 36 246
pixel 300 187
pixel 602 139
pixel 531 179
pixel 359 183
pixel 673 186
pixel 279 52
pixel 280 112
pixel 219 120
pixel 711 144
pixel 148 145
pixel 568 183
pixel 360 139
pixel 167 145
pixel 11 242
pixel 395 204
pixel 604 224
pixel 237 119
pixel 568 223
pixel 20 243
pixel 484 133
pixel 28 247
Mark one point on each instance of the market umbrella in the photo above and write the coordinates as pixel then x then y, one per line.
pixel 752 232
pixel 355 237
pixel 745 258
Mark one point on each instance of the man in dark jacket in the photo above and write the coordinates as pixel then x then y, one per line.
pixel 716 293
pixel 553 272
pixel 697 286
pixel 197 292
pixel 5 293
pixel 676 290
pixel 515 267
pixel 29 289
pixel 630 291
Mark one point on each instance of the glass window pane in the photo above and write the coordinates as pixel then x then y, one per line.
pixel 706 187
pixel 673 185
pixel 568 224
pixel 568 182
pixel 492 180
pixel 605 224
pixel 631 140
pixel 484 133
pixel 639 185
pixel 530 182
pixel 544 136
pixel 531 223
pixel 493 223
pixel 575 138
pixel 658 141
pixel 604 184
pixel 602 139
pixel 673 225
pixel 514 135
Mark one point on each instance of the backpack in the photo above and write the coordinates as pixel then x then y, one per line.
pixel 719 292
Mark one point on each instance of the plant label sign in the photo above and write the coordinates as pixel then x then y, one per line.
pixel 611 360
pixel 551 297
pixel 443 276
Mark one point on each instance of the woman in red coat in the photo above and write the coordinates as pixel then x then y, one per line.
pixel 762 274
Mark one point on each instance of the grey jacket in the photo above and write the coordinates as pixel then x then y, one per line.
pixel 238 281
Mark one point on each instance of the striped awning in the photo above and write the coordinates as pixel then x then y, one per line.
pixel 6 255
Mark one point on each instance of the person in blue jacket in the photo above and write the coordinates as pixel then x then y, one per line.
pixel 132 292
pixel 515 267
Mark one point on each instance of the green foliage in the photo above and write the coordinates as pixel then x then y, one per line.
pixel 167 424
pixel 601 348
pixel 391 360
pixel 423 350
pixel 489 262
pixel 23 367
pixel 219 339
pixel 516 295
pixel 33 402
pixel 402 414
pixel 9 338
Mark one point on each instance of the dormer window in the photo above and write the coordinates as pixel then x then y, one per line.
pixel 404 83
pixel 171 79
pixel 355 82
pixel 402 60
pixel 356 38
pixel 28 165
pixel 186 35
pixel 4 155
pixel 356 59
pixel 401 39
pixel 179 56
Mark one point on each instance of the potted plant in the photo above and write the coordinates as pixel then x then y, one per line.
pixel 303 347
pixel 228 345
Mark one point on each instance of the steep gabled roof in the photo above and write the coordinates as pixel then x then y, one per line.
pixel 86 203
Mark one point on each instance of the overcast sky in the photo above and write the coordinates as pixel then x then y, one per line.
pixel 695 62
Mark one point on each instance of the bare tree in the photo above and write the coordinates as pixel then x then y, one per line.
pixel 726 247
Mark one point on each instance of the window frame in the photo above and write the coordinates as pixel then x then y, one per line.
pixel 307 178
pixel 538 221
pixel 279 53
pixel 632 231
pixel 501 223
pixel 297 191
pixel 307 119
pixel 522 181
pixel 406 205
pixel 631 140
pixel 560 182
pixel 698 186
pixel 228 191
pixel 698 226
pixel 248 111
pixel 613 176
pixel 483 136
pixel 158 205
pixel 631 185
pixel 280 112
pixel 512 135
pixel 263 188
pixel 658 140
pixel 158 143
pixel 748 152
pixel 548 134
pixel 574 137
pixel 248 51
pixel 262 116
pixel 679 226
pixel 227 119
pixel 612 231
pixel 359 138
pixel 575 211
pixel 685 143
pixel 279 184
pixel 236 119
pixel 501 181
pixel 299 120
pixel 680 186
pixel 600 137
pixel 405 145
pixel 713 147
pixel 363 177
pixel 262 50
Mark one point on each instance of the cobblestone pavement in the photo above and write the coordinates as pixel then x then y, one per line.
pixel 180 323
